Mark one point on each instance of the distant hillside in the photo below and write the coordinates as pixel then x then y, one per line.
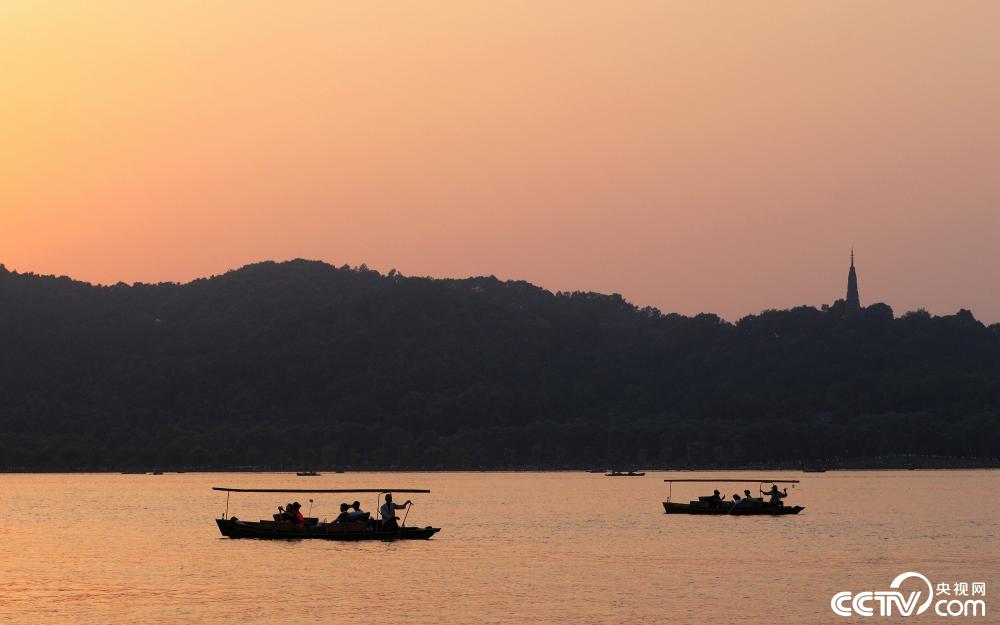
pixel 304 364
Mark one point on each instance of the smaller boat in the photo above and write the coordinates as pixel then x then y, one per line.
pixel 714 505
pixel 625 474
pixel 307 473
pixel 701 507
pixel 813 470
pixel 157 473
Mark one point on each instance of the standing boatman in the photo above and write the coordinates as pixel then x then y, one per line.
pixel 388 511
pixel 776 495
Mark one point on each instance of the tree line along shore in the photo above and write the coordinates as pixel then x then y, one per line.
pixel 302 364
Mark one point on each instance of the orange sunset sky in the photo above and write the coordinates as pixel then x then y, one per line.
pixel 694 156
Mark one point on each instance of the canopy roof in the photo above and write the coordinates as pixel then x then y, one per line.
pixel 313 490
pixel 732 479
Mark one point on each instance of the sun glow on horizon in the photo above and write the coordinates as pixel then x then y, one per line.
pixel 694 158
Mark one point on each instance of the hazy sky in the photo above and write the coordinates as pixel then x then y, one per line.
pixel 694 156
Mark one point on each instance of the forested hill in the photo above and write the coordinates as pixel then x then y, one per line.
pixel 303 364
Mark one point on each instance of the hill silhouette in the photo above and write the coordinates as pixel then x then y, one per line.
pixel 302 364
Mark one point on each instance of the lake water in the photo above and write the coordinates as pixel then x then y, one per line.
pixel 571 548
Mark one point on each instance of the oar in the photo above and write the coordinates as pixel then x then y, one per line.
pixel 404 517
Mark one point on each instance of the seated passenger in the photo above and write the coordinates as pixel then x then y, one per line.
pixel 296 514
pixel 355 513
pixel 715 500
pixel 344 515
pixel 285 514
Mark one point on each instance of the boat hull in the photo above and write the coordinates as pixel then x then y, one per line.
pixel 234 528
pixel 728 509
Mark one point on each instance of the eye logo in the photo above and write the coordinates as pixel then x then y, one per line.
pixel 894 602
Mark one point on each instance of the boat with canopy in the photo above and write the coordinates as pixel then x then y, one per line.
pixel 364 528
pixel 755 506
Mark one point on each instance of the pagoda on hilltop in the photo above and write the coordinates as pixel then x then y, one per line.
pixel 853 300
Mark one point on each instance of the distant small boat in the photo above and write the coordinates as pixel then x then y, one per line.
pixel 157 473
pixel 813 470
pixel 627 474
pixel 306 473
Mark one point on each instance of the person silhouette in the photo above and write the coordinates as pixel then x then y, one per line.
pixel 775 495
pixel 388 511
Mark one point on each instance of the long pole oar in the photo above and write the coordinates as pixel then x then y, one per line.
pixel 405 514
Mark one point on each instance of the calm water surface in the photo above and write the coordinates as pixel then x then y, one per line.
pixel 571 548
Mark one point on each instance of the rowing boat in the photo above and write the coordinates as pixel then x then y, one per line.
pixel 710 505
pixel 357 530
pixel 311 528
pixel 727 507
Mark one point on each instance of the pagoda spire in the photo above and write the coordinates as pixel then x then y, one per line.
pixel 853 300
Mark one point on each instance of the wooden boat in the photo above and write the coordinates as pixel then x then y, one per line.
pixel 307 473
pixel 626 474
pixel 365 529
pixel 727 507
pixel 357 530
pixel 754 506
